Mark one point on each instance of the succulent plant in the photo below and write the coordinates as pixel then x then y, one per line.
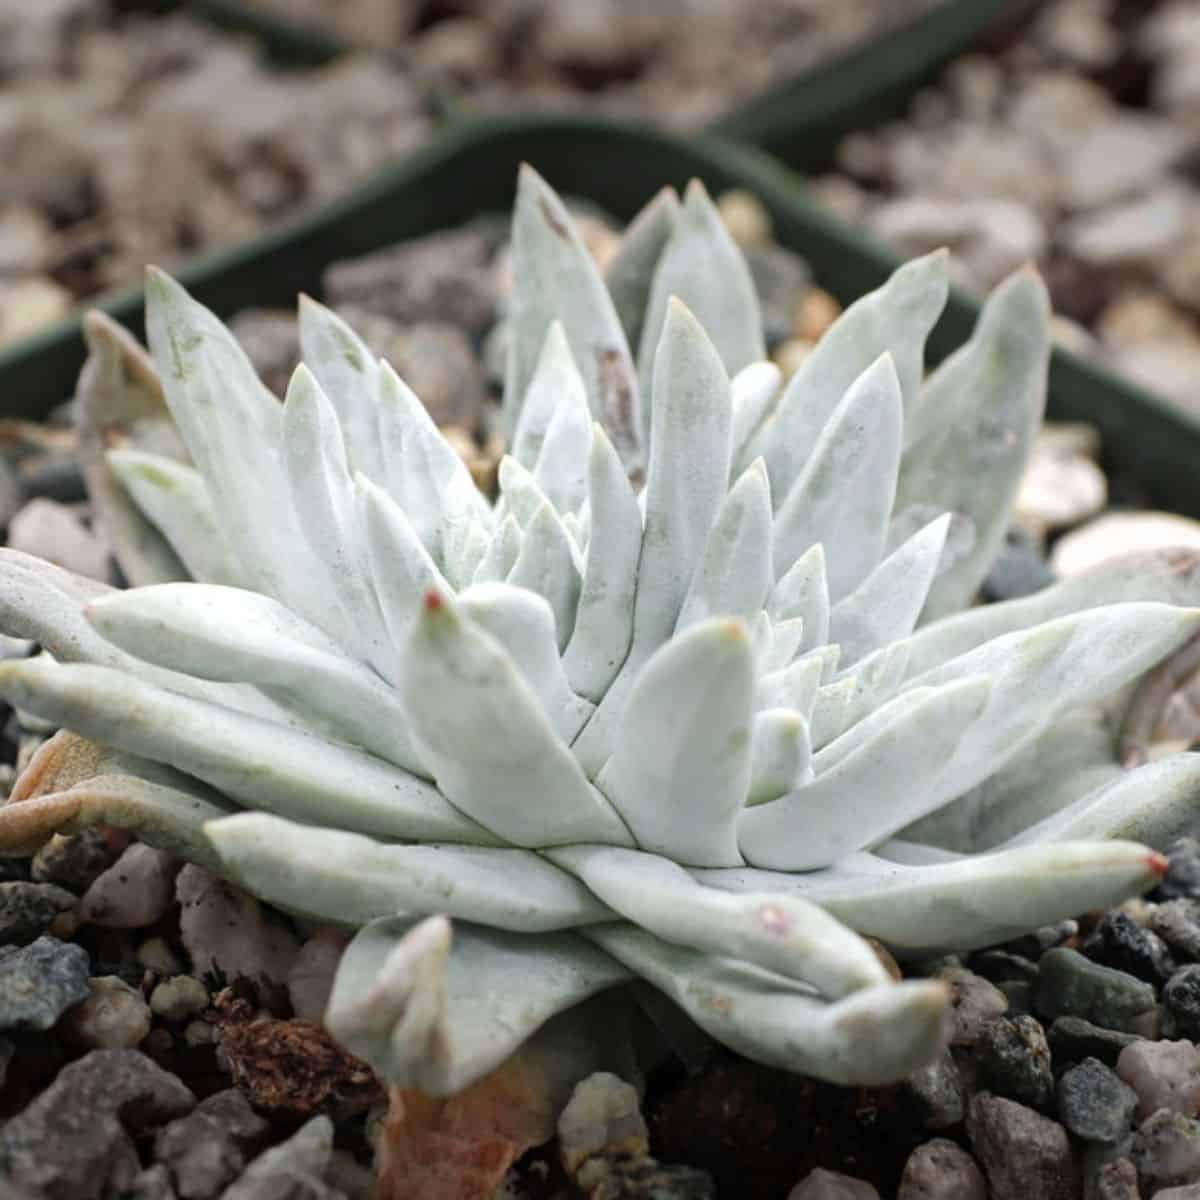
pixel 694 701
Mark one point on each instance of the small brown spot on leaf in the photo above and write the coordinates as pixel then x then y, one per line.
pixel 553 221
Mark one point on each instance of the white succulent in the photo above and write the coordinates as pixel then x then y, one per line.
pixel 699 731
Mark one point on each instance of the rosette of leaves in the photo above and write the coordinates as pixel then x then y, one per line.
pixel 695 702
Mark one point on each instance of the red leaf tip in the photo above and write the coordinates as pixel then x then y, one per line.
pixel 1157 863
pixel 432 601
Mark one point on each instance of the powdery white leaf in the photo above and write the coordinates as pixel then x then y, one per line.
pixel 172 496
pixel 843 496
pixel 407 1000
pixel 877 788
pixel 349 879
pixel 251 760
pixel 873 1035
pixel 555 279
pixel 886 605
pixel 480 727
pixel 681 767
pixel 630 272
pixel 781 755
pixel 794 938
pixel 702 267
pixel 988 400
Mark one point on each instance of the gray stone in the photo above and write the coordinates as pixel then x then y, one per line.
pixel 206 1150
pixel 1166 1151
pixel 1186 1191
pixel 74 1141
pixel 39 982
pixel 310 980
pixel 1182 880
pixel 1118 158
pixel 226 931
pixel 1164 1075
pixel 1094 1104
pixel 1177 922
pixel 1014 1061
pixel 974 1002
pixel 436 360
pixel 442 277
pixel 134 892
pixel 941 1170
pixel 1181 1004
pixel 938 1092
pixel 1070 984
pixel 28 909
pixel 820 1184
pixel 1023 1154
pixel 1073 1038
pixel 52 531
pixel 1034 944
pixel 1018 570
pixel 154 1183
pixel 75 860
pixel 1137 232
pixel 293 1170
pixel 179 997
pixel 1119 941
pixel 1117 1180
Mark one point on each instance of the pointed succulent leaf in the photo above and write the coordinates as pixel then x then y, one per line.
pixel 501 554
pixel 783 643
pixel 546 566
pixel 424 473
pixel 855 695
pixel 781 755
pixel 753 393
pixel 874 1034
pixel 117 389
pixel 556 380
pixel 1070 760
pixel 873 791
pixel 1171 576
pixel 989 399
pixel 604 617
pixel 407 1001
pixel 350 879
pixel 172 496
pixel 557 280
pixel 251 760
pixel 886 605
pixel 1049 669
pixel 793 687
pixel 231 635
pixel 681 767
pixel 687 479
pixel 523 623
pixel 1153 804
pixel 843 496
pixel 797 940
pixel 919 911
pixel 402 569
pixel 895 319
pixel 803 592
pixel 734 573
pixel 561 464
pixel 323 496
pixel 349 375
pixel 492 750
pixel 630 272
pixel 232 427
pixel 702 267
pixel 688 472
